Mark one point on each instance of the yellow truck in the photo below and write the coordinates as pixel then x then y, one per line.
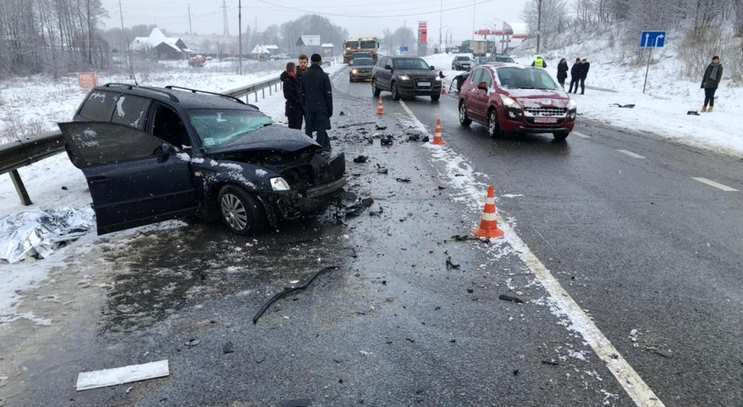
pixel 368 45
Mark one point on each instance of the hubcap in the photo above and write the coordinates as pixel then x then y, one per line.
pixel 234 212
pixel 493 123
pixel 462 113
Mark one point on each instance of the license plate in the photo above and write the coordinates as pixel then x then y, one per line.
pixel 545 120
pixel 424 84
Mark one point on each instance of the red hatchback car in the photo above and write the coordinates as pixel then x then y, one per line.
pixel 511 98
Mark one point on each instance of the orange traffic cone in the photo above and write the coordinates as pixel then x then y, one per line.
pixel 488 224
pixel 437 138
pixel 380 107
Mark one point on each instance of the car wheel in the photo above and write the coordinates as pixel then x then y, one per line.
pixel 560 135
pixel 241 212
pixel 395 92
pixel 493 127
pixel 435 98
pixel 464 120
pixel 375 90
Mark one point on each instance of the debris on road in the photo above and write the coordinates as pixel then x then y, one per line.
pixel 692 113
pixel 550 362
pixel 290 290
pixel 450 265
pixel 121 375
pixel 387 140
pixel 463 238
pixel 505 297
pixel 360 159
pixel 627 106
pixel 403 180
pixel 382 170
pixel 228 347
pixel 659 352
pixel 380 126
pixel 192 343
pixel 358 206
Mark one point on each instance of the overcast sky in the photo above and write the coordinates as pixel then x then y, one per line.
pixel 359 17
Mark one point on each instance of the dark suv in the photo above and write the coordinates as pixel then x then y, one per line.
pixel 151 154
pixel 509 98
pixel 405 77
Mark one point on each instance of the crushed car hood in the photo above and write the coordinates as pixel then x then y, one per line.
pixel 539 98
pixel 272 137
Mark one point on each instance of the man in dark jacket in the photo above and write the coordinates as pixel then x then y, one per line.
pixel 710 81
pixel 575 76
pixel 318 101
pixel 584 67
pixel 562 72
pixel 303 65
pixel 293 109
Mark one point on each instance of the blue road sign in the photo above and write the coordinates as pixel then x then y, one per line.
pixel 653 39
pixel 403 49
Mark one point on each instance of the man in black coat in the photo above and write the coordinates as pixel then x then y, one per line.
pixel 562 72
pixel 293 109
pixel 584 67
pixel 575 76
pixel 318 101
pixel 710 81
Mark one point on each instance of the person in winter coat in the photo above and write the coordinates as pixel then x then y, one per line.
pixel 584 67
pixel 539 62
pixel 575 76
pixel 293 109
pixel 562 72
pixel 318 101
pixel 303 65
pixel 710 81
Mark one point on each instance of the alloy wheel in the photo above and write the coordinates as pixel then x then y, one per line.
pixel 234 212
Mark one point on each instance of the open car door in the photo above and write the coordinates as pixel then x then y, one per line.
pixel 134 178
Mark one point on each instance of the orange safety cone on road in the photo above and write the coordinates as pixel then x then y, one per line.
pixel 380 107
pixel 489 224
pixel 438 139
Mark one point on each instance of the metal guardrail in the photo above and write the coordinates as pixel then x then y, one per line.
pixel 29 150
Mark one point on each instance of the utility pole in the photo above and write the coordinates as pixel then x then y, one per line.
pixel 474 16
pixel 239 37
pixel 539 24
pixel 190 27
pixel 125 38
pixel 225 21
pixel 441 23
pixel 90 36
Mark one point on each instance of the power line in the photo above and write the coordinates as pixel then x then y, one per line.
pixel 420 13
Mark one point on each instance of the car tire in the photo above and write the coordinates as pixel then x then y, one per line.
pixel 395 91
pixel 560 135
pixel 494 129
pixel 464 119
pixel 241 211
pixel 375 90
pixel 435 98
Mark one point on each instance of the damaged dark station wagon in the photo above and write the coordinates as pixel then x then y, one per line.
pixel 151 154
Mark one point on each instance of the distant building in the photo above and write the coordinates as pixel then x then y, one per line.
pixel 161 46
pixel 261 51
pixel 309 44
pixel 327 50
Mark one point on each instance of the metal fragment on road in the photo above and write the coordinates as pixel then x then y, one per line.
pixel 121 375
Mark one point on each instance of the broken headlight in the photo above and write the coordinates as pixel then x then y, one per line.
pixel 279 184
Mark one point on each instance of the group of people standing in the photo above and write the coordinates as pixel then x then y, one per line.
pixel 578 74
pixel 309 98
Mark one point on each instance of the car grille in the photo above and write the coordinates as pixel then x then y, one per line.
pixel 546 111
pixel 301 177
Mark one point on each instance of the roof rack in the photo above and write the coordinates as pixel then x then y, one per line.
pixel 205 92
pixel 132 86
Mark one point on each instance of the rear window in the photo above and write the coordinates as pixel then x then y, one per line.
pixel 410 63
pixel 131 111
pixel 99 106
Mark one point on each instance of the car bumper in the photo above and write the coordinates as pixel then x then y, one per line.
pixel 411 89
pixel 525 125
pixel 361 76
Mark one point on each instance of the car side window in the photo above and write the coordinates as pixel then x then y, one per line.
pixel 169 127
pixel 486 77
pixel 475 77
pixel 92 144
pixel 131 111
pixel 99 106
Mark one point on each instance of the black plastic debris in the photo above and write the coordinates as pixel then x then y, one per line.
pixel 380 126
pixel 382 170
pixel 359 206
pixel 342 113
pixel 228 347
pixel 290 290
pixel 505 297
pixel 627 106
pixel 361 159
pixel 403 180
pixel 550 363
pixel 387 140
pixel 192 342
pixel 425 139
pixel 462 238
pixel 450 265
pixel 692 113
pixel 470 290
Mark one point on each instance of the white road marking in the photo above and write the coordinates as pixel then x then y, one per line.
pixel 714 184
pixel 581 135
pixel 580 322
pixel 631 154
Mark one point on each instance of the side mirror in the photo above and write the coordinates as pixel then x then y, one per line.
pixel 388 67
pixel 164 151
pixel 433 68
pixel 483 86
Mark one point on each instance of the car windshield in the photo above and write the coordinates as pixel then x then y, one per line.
pixel 520 78
pixel 362 62
pixel 368 44
pixel 463 58
pixel 352 44
pixel 218 127
pixel 410 63
pixel 504 59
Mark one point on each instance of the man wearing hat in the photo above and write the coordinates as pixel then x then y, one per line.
pixel 318 101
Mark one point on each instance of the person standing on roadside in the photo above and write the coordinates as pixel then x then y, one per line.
pixel 293 108
pixel 539 62
pixel 710 81
pixel 318 101
pixel 584 67
pixel 575 76
pixel 562 72
pixel 303 65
